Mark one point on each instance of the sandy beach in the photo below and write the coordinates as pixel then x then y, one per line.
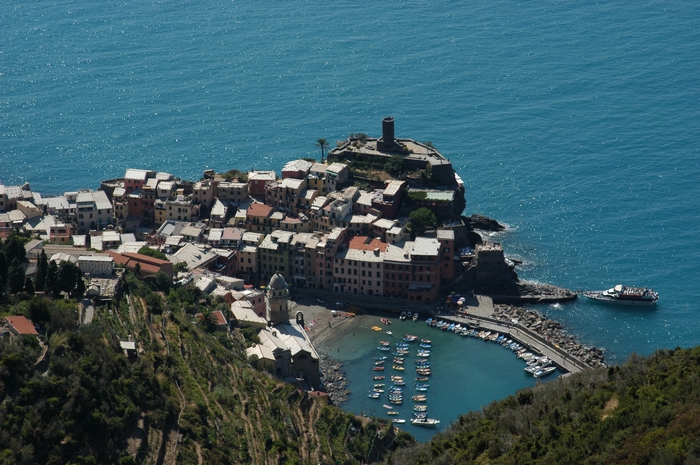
pixel 322 326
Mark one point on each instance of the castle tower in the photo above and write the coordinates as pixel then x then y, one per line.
pixel 277 300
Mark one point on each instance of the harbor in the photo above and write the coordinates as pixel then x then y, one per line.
pixel 466 372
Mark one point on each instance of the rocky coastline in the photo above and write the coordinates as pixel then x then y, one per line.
pixel 334 379
pixel 553 331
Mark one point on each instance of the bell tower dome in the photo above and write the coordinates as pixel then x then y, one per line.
pixel 277 300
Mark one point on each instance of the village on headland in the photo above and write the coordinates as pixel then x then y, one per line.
pixel 376 225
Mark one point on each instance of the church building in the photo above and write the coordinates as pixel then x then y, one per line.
pixel 284 344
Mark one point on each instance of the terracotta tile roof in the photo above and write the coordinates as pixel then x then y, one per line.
pixel 365 243
pixel 259 210
pixel 21 325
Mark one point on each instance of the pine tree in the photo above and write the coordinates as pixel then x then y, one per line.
pixel 15 277
pixel 41 270
pixel 52 286
pixel 80 288
pixel 4 269
pixel 29 286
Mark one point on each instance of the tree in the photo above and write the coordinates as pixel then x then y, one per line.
pixel 52 284
pixel 208 320
pixel 29 286
pixel 15 277
pixel 137 270
pixel 14 248
pixel 80 287
pixel 145 250
pixel 395 164
pixel 41 271
pixel 323 144
pixel 4 268
pixel 421 219
pixel 163 282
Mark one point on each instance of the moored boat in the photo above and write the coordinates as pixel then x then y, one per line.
pixel 399 421
pixel 544 372
pixel 625 295
pixel 402 316
pixel 415 317
pixel 426 422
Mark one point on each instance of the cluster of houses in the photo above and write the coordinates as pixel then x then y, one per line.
pixel 311 228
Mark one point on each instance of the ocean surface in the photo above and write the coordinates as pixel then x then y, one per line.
pixel 575 123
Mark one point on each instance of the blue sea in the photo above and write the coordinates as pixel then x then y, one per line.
pixel 577 124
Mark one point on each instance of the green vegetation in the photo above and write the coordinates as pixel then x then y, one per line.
pixel 188 397
pixel 146 250
pixel 394 165
pixel 644 412
pixel 235 174
pixel 323 144
pixel 422 219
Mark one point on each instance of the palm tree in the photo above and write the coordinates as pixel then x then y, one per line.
pixel 323 143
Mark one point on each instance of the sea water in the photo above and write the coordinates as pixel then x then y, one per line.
pixel 467 373
pixel 576 124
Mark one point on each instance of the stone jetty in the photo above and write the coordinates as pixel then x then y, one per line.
pixel 551 330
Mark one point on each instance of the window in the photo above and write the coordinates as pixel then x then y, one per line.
pixel 379 275
pixel 363 272
pixel 369 273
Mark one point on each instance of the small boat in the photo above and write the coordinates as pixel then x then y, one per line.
pixel 422 385
pixel 399 357
pixel 401 344
pixel 379 362
pixel 428 321
pixel 392 412
pixel 384 357
pixel 379 390
pixel 376 328
pixel 420 408
pixel 398 367
pixel 384 343
pixel 402 316
pixel 379 385
pixel 386 321
pixel 399 383
pixel 421 389
pixel 377 378
pixel 424 372
pixel 419 398
pixel 399 421
pixel 374 395
pixel 415 317
pixel 396 402
pixel 426 422
pixel 390 333
pixel 422 378
pixel 425 353
pixel 378 368
pixel 396 378
pixel 384 348
pixel 408 314
pixel 387 406
pixel 425 346
pixel 544 372
pixel 398 362
pixel 426 341
pixel 625 295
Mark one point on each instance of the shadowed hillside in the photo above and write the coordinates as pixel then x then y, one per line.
pixel 189 397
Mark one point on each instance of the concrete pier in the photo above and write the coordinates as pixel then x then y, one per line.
pixel 532 341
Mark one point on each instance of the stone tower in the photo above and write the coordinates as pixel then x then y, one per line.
pixel 277 300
